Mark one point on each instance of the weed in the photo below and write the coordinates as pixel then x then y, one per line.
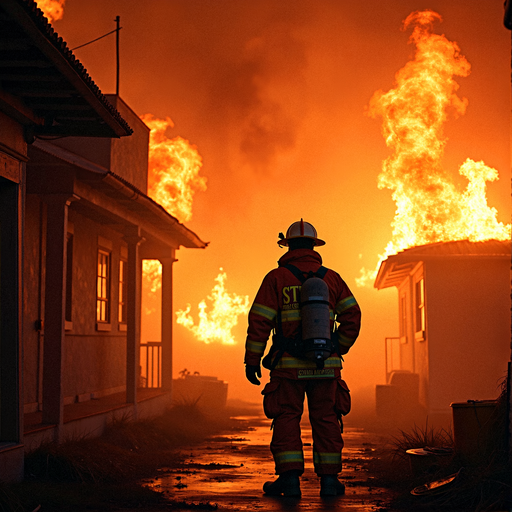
pixel 100 471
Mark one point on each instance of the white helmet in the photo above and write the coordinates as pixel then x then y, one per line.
pixel 300 229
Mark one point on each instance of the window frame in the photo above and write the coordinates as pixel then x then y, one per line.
pixel 123 293
pixel 420 319
pixel 103 282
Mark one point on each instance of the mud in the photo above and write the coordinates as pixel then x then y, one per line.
pixel 228 472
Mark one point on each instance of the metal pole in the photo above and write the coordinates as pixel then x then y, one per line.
pixel 117 20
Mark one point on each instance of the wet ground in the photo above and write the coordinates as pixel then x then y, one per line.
pixel 228 472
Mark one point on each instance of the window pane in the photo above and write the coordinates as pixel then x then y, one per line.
pixel 103 287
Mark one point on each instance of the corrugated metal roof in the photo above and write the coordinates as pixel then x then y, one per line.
pixel 396 268
pixel 38 68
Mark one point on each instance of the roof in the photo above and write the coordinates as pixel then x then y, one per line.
pixel 43 85
pixel 395 268
pixel 116 188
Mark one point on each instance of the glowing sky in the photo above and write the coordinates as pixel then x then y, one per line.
pixel 273 94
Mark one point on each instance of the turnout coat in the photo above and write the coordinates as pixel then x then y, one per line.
pixel 280 292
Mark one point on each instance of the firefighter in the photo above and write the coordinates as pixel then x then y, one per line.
pixel 277 308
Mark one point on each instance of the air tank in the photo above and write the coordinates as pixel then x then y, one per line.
pixel 315 317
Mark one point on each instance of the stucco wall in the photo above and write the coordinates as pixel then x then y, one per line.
pixel 126 156
pixel 468 308
pixel 94 360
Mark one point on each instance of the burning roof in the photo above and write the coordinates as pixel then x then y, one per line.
pixel 395 268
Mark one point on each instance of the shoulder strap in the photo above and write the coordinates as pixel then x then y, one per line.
pixel 321 272
pixel 296 272
pixel 301 275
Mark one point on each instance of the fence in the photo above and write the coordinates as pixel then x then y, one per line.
pixel 392 355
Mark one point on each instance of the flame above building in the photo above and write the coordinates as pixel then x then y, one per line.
pixel 174 166
pixel 429 206
pixel 52 9
pixel 217 324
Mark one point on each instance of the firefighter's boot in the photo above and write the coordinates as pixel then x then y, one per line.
pixel 287 484
pixel 331 486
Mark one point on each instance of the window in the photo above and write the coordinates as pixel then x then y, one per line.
pixel 420 308
pixel 103 287
pixel 123 289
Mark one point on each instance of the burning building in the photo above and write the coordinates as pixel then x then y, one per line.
pixel 454 326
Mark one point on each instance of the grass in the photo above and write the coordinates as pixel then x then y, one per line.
pixel 104 473
pixel 483 484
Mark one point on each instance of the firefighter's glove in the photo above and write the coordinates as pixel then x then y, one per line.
pixel 251 371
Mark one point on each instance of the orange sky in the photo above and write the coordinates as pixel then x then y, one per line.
pixel 273 94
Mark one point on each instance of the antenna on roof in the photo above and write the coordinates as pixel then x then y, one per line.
pixel 118 28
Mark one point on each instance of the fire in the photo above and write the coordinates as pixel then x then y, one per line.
pixel 174 166
pixel 52 9
pixel 429 206
pixel 217 324
pixel 152 274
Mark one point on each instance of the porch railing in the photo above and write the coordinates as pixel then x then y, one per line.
pixel 151 360
pixel 392 355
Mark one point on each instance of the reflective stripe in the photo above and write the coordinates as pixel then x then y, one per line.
pixel 264 311
pixel 293 362
pixel 326 458
pixel 346 342
pixel 345 304
pixel 290 315
pixel 256 347
pixel 287 457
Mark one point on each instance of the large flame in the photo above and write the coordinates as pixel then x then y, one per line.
pixel 429 206
pixel 217 324
pixel 152 275
pixel 52 9
pixel 174 166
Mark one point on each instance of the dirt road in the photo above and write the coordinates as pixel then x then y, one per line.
pixel 228 472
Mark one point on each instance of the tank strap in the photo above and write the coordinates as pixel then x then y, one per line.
pixel 302 276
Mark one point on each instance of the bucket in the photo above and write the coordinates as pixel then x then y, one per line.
pixel 428 460
pixel 472 428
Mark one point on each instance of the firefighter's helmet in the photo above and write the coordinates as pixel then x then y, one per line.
pixel 300 229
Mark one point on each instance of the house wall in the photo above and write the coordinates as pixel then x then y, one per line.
pixel 468 315
pixel 127 156
pixel 11 135
pixel 95 360
pixel 33 291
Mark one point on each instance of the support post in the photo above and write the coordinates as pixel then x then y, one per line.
pixel 133 238
pixel 55 303
pixel 167 320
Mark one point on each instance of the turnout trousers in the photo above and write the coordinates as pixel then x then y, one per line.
pixel 284 403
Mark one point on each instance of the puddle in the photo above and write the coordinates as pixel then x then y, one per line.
pixel 230 471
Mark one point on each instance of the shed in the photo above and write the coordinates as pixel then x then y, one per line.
pixel 453 321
